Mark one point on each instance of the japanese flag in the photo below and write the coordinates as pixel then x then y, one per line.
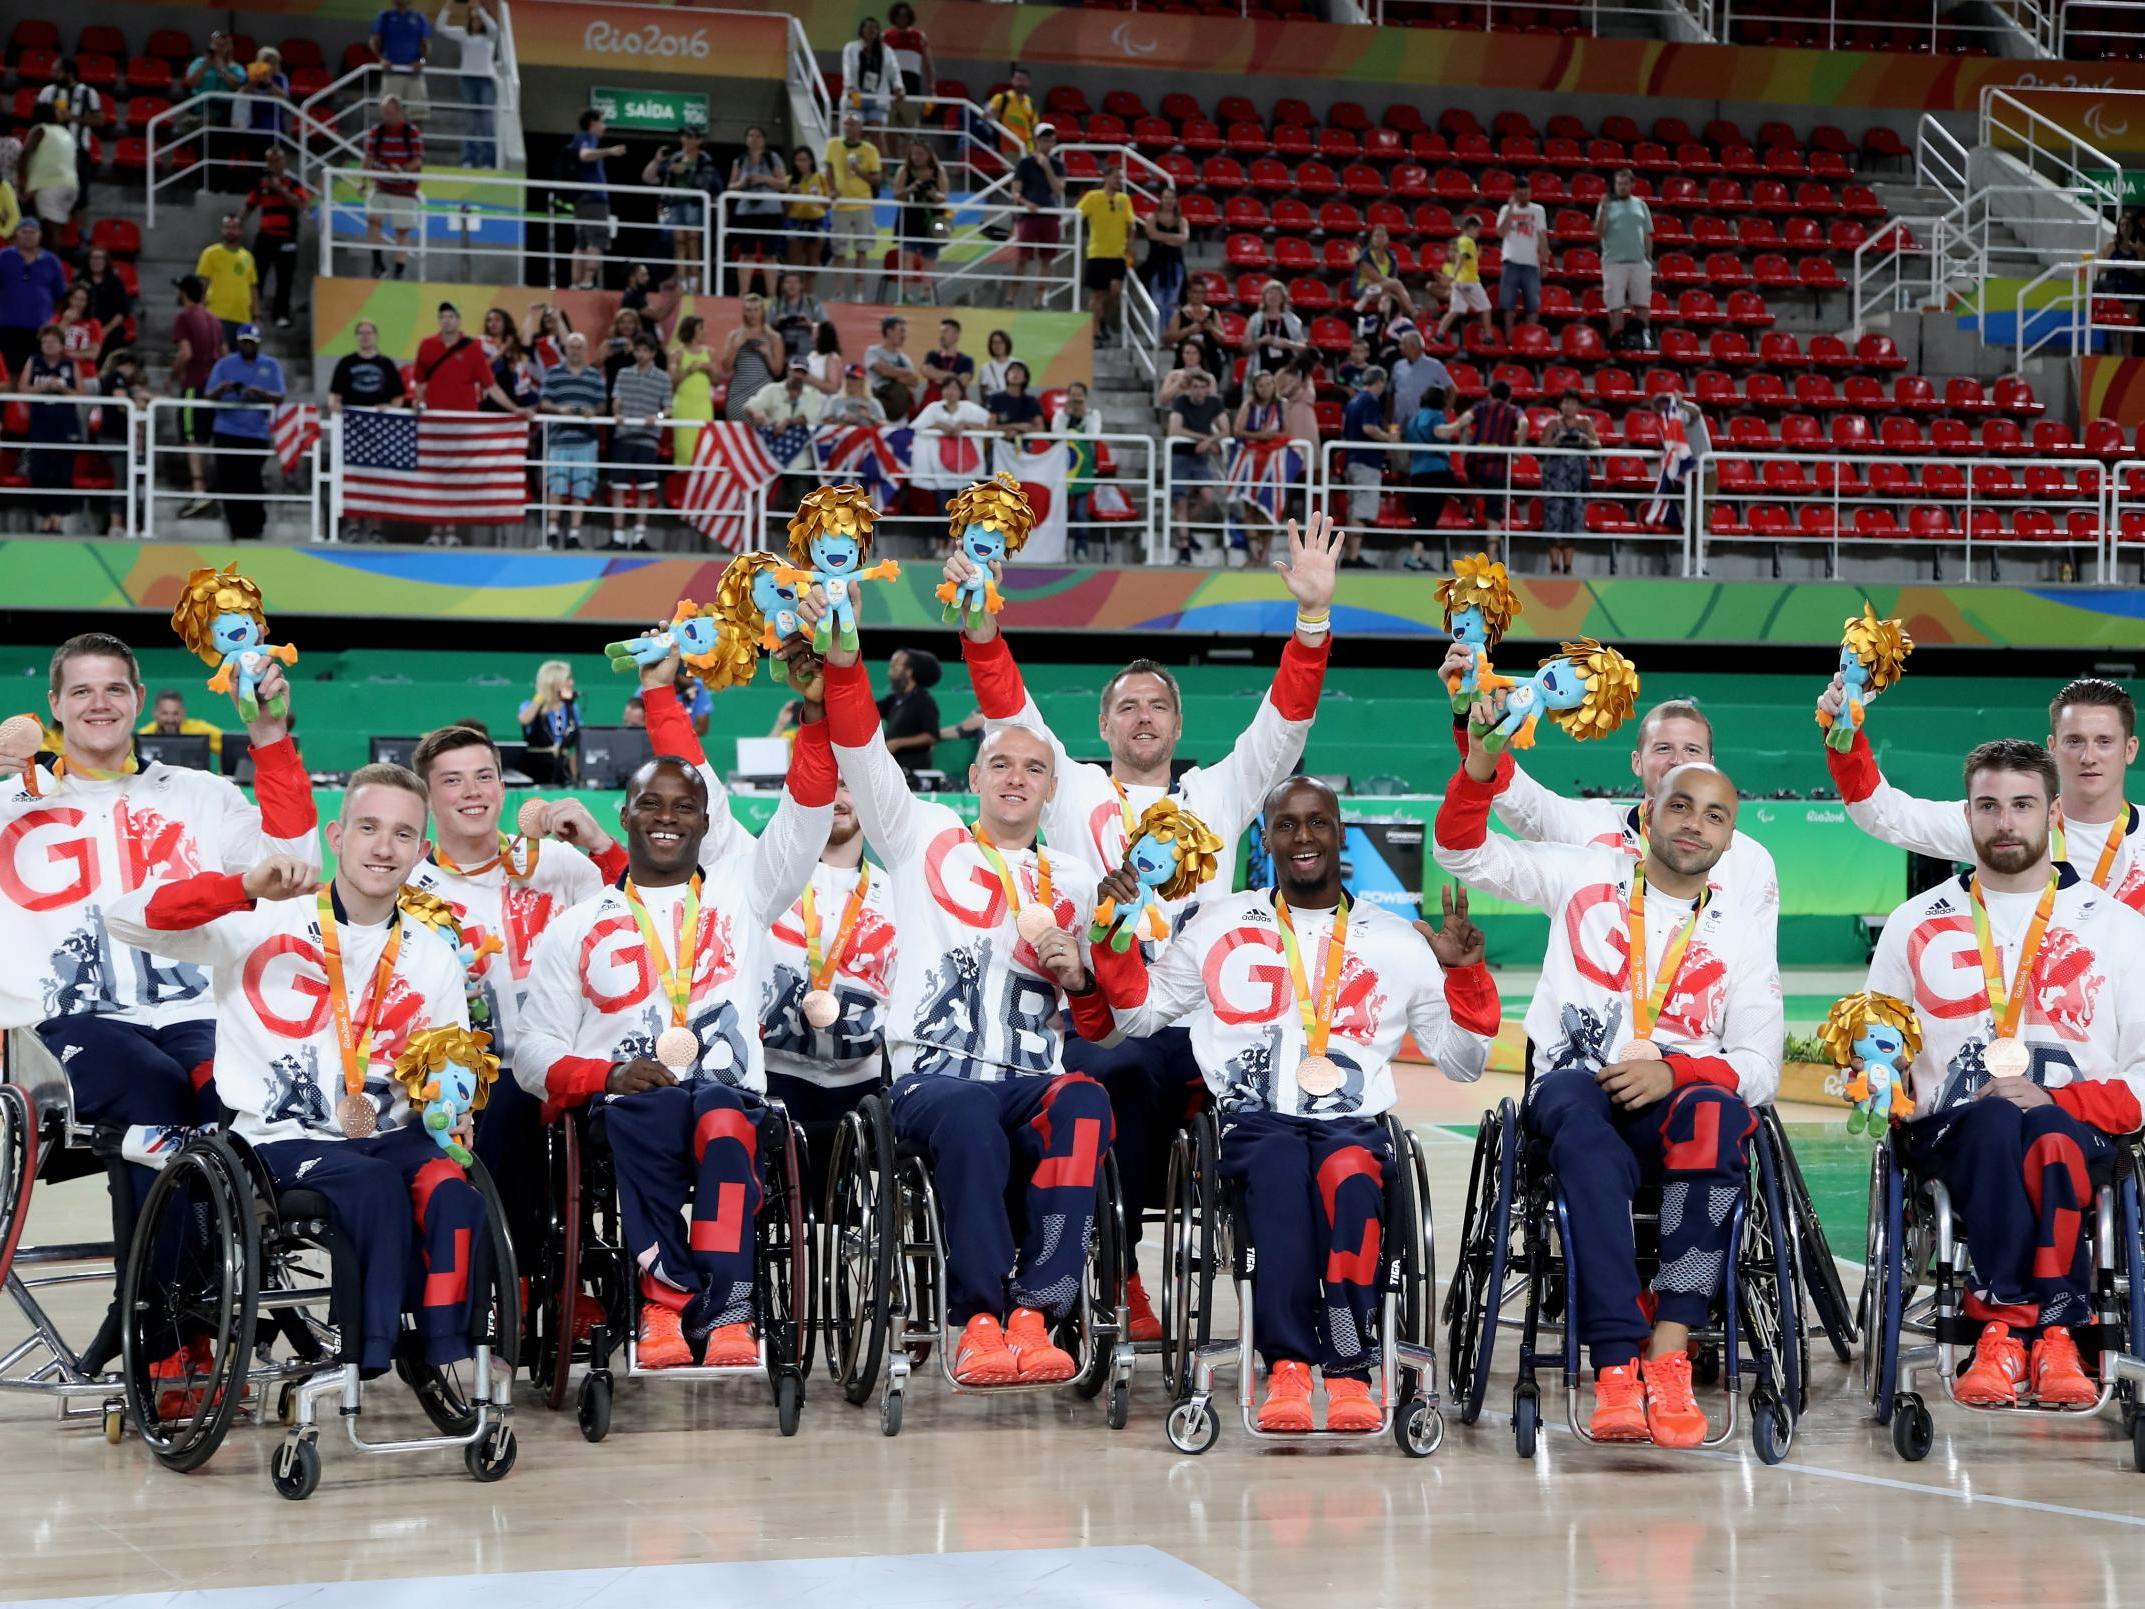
pixel 1041 474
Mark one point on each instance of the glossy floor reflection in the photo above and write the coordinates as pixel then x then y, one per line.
pixel 2002 1511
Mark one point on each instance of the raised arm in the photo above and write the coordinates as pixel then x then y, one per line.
pixel 1924 826
pixel 203 918
pixel 894 822
pixel 791 844
pixel 670 731
pixel 286 821
pixel 1529 873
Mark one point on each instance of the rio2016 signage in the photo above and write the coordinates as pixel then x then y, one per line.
pixel 653 42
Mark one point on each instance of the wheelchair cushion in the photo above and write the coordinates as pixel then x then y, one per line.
pixel 301 1204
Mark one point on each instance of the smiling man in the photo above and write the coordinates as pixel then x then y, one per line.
pixel 1657 1028
pixel 1298 1000
pixel 2029 984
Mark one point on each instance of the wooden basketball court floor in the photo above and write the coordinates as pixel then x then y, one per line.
pixel 1031 1502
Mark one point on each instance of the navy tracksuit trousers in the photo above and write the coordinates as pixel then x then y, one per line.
pixel 697 1142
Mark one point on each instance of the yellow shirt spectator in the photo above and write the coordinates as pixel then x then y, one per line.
pixel 1016 111
pixel 10 209
pixel 1464 266
pixel 856 180
pixel 1109 223
pixel 191 726
pixel 231 277
pixel 813 209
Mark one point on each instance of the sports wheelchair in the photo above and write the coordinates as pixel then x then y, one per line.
pixel 1205 1243
pixel 223 1264
pixel 883 1277
pixel 1915 1286
pixel 586 1304
pixel 1512 1273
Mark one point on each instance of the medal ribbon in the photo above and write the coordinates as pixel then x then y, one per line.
pixel 439 857
pixel 676 982
pixel 1157 924
pixel 354 1040
pixel 1317 1022
pixel 1005 873
pixel 2006 1006
pixel 821 970
pixel 63 767
pixel 2117 830
pixel 1645 1006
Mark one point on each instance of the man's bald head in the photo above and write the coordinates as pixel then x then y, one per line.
pixel 1014 775
pixel 1690 820
pixel 1021 741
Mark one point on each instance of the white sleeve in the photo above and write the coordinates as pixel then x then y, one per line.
pixel 1265 752
pixel 544 1035
pixel 1460 1055
pixel 1533 811
pixel 165 918
pixel 583 878
pixel 895 822
pixel 2129 992
pixel 1175 989
pixel 1923 826
pixel 784 855
pixel 1754 1026
pixel 1527 873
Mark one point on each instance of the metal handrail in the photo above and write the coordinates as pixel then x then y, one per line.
pixel 160 174
pixel 2068 29
pixel 1885 254
pixel 2025 18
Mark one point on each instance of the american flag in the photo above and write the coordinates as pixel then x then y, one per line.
pixel 294 427
pixel 1676 461
pixel 435 469
pixel 731 461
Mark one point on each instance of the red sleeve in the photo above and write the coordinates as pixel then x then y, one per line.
pixel 851 715
pixel 1120 975
pixel 284 791
pixel 612 862
pixel 999 690
pixel 1463 815
pixel 1503 779
pixel 670 729
pixel 1301 674
pixel 196 901
pixel 1091 1015
pixel 571 1080
pixel 2105 1104
pixel 1471 997
pixel 811 766
pixel 1714 1070
pixel 1854 773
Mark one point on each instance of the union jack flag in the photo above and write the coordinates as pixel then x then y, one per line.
pixel 1677 460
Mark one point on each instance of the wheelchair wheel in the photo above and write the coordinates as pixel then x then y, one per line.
pixel 1105 1291
pixel 1888 1235
pixel 1772 1297
pixel 1478 1275
pixel 857 1267
pixel 782 1272
pixel 1191 1252
pixel 1819 1273
pixel 18 1168
pixel 446 1391
pixel 1412 1244
pixel 558 1273
pixel 190 1291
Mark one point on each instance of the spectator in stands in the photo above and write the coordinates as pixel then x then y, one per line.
pixel 478 36
pixel 949 462
pixel 547 328
pixel 1039 191
pixel 498 325
pixel 752 355
pixel 990 378
pixel 908 714
pixel 233 278
pixel 854 404
pixel 912 61
pixel 868 76
pixel 196 344
pixel 1414 373
pixel 1674 404
pixel 1015 112
pixel 894 380
pixel 278 199
pixel 1522 226
pixel 947 360
pixel 920 187
pixel 394 157
pixel 692 379
pixel 1177 382
pixel 266 105
pixel 32 286
pixel 10 171
pixel 81 334
pixel 1273 335
pixel 574 393
pixel 1429 471
pixel 366 378
pixel 805 212
pixel 1380 323
pixel 238 444
pixel 82 110
pixel 54 428
pixel 452 374
pixel 692 181
pixel 852 165
pixel 402 40
pixel 1377 269
pixel 1364 420
pixel 825 364
pixel 694 698
pixel 787 411
pixel 640 398
pixel 1354 366
pixel 1108 214
pixel 1463 275
pixel 1162 269
pixel 168 718
pixel 2123 281
pixel 1015 411
pixel 1492 423
pixel 209 75
pixel 51 176
pixel 122 376
pixel 551 725
pixel 1195 319
pixel 109 300
pixel 756 220
pixel 1074 420
pixel 1298 386
pixel 515 373
pixel 1198 437
pixel 1625 224
pixel 1566 477
pixel 592 204
pixel 617 349
pixel 1260 419
pixel 635 714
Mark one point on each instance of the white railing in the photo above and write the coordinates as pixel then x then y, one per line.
pixel 237 478
pixel 2088 314
pixel 1844 24
pixel 337 119
pixel 57 480
pixel 2054 154
pixel 188 150
pixel 2125 522
pixel 1589 16
pixel 1201 516
pixel 1896 270
pixel 805 80
pixel 2101 28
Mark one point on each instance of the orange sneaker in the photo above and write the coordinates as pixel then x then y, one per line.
pixel 1042 1361
pixel 662 1339
pixel 1992 1380
pixel 587 1314
pixel 1288 1397
pixel 1140 1324
pixel 732 1346
pixel 983 1358
pixel 2059 1379
pixel 1619 1405
pixel 197 1357
pixel 1350 1405
pixel 1672 1413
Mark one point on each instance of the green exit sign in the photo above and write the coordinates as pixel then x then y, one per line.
pixel 654 111
pixel 2131 181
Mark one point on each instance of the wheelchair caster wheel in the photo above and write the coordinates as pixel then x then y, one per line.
pixel 287 1405
pixel 492 1458
pixel 595 1408
pixel 1913 1432
pixel 789 1404
pixel 1192 1426
pixel 1119 1407
pixel 115 1424
pixel 1419 1429
pixel 1705 1367
pixel 890 1415
pixel 1772 1431
pixel 295 1469
pixel 1526 1420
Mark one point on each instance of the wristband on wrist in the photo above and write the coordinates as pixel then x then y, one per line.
pixel 1312 628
